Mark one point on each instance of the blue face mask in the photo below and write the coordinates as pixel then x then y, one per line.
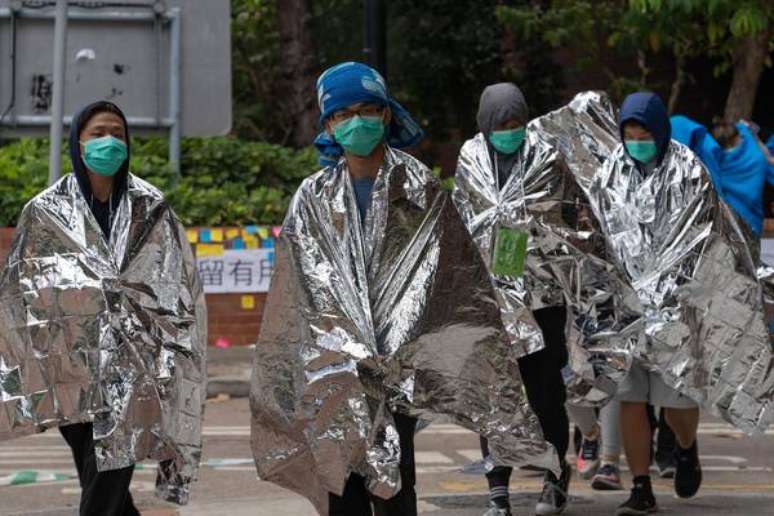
pixel 104 156
pixel 641 150
pixel 360 135
pixel 508 141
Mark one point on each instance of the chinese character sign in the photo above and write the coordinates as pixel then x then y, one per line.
pixel 236 270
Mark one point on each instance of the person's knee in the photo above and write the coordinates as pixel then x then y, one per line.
pixel 632 408
pixel 679 415
pixel 682 421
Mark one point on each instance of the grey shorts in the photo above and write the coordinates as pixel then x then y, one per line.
pixel 642 385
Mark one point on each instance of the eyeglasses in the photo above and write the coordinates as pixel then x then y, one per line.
pixel 365 110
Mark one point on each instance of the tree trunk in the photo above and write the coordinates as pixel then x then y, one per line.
pixel 677 85
pixel 300 67
pixel 749 60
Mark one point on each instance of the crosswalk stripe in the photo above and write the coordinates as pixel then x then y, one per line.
pixel 471 455
pixel 50 453
pixel 433 429
pixel 10 446
pixel 432 457
pixel 5 462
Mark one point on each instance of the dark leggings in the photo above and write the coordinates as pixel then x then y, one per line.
pixel 103 493
pixel 541 373
pixel 356 500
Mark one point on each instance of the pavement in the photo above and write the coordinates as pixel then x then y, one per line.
pixel 739 470
pixel 228 371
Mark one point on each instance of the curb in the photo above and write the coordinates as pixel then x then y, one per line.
pixel 232 386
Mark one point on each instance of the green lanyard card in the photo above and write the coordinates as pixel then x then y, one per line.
pixel 510 251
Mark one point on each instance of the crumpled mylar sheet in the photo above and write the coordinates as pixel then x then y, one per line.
pixel 689 259
pixel 110 333
pixel 565 262
pixel 359 323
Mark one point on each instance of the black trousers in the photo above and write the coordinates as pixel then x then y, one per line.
pixel 356 500
pixel 541 373
pixel 102 493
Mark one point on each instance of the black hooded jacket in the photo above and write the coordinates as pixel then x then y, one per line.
pixel 101 210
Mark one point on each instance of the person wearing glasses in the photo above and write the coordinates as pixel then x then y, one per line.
pixel 380 309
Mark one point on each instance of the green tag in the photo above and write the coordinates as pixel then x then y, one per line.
pixel 510 250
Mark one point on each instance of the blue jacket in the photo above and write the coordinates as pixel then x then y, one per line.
pixel 744 172
pixel 695 136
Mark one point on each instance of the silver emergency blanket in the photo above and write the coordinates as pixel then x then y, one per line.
pixel 364 320
pixel 689 260
pixel 112 333
pixel 565 262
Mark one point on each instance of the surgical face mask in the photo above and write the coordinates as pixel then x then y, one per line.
pixel 360 135
pixel 508 141
pixel 641 150
pixel 104 156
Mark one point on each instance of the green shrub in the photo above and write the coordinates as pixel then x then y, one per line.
pixel 223 181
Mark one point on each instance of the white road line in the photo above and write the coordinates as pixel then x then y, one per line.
pixel 471 455
pixel 72 471
pixel 9 446
pixel 440 429
pixel 5 462
pixel 431 457
pixel 727 458
pixel 44 453
pixel 445 429
pixel 429 470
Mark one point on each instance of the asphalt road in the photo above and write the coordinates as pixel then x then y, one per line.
pixel 739 476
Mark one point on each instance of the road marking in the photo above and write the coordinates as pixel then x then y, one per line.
pixel 4 462
pixel 26 477
pixel 471 455
pixel 50 453
pixel 432 457
pixel 709 428
pixel 9 446
pixel 727 458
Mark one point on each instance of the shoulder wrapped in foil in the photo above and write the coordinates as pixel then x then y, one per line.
pixel 687 257
pixel 362 320
pixel 565 262
pixel 112 333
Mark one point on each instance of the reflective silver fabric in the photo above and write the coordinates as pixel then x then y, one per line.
pixel 690 262
pixel 584 132
pixel 112 333
pixel 362 320
pixel 694 271
pixel 565 263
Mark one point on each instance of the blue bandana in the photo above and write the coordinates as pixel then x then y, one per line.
pixel 351 83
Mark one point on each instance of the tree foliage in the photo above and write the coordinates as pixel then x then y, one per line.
pixel 224 180
pixel 639 30
pixel 256 72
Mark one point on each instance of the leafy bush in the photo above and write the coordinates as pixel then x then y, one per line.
pixel 223 180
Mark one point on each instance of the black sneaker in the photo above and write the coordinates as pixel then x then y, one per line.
pixel 553 499
pixel 687 471
pixel 641 501
pixel 666 466
pixel 665 451
pixel 497 510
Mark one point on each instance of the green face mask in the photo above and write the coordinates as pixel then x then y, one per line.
pixel 360 135
pixel 508 141
pixel 104 156
pixel 641 150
